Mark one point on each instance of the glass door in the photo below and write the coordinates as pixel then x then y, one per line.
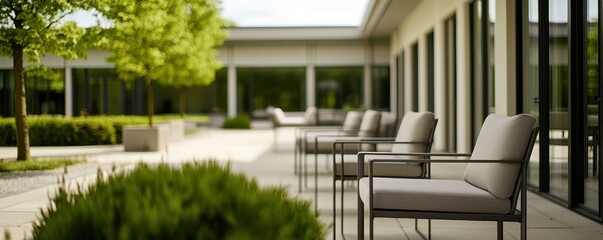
pixel 558 102
pixel 590 198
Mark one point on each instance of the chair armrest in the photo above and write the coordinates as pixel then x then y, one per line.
pixel 361 156
pixel 373 161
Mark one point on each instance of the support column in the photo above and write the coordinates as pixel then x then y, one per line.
pixel 68 90
pixel 232 91
pixel 310 77
pixel 368 63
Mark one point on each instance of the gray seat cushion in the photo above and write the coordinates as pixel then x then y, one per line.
pixel 501 138
pixel 325 143
pixel 431 195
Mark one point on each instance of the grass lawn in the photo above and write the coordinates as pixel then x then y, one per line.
pixel 36 164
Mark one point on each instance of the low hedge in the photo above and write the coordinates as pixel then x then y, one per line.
pixel 77 131
pixel 194 201
pixel 239 122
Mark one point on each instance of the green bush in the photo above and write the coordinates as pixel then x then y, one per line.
pixel 239 122
pixel 195 201
pixel 62 131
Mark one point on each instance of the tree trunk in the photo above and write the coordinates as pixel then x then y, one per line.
pixel 20 105
pixel 150 101
pixel 182 101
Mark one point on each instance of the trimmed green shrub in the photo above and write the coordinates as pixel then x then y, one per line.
pixel 62 131
pixel 239 122
pixel 196 201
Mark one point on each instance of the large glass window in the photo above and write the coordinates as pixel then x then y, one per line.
pixel 450 82
pixel 44 94
pixel 430 72
pixel 339 87
pixel 415 76
pixel 259 88
pixel 196 99
pixel 381 87
pixel 593 154
pixel 6 93
pixel 482 18
pixel 99 91
pixel 530 85
pixel 559 98
pixel 400 85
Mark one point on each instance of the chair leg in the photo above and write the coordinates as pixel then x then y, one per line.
pixel 295 150
pixel 524 230
pixel 371 225
pixel 305 171
pixel 342 209
pixel 428 237
pixel 499 230
pixel 335 209
pixel 316 184
pixel 360 219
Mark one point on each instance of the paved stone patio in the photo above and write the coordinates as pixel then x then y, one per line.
pixel 252 152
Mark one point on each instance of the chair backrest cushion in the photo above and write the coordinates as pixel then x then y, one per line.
pixel 387 125
pixel 352 121
pixel 311 115
pixel 277 116
pixel 501 138
pixel 415 127
pixel 369 126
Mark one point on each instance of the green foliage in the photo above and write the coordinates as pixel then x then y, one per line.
pixel 61 131
pixel 39 28
pixel 239 122
pixel 171 42
pixel 195 201
pixel 36 164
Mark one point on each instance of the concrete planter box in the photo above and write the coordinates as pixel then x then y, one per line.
pixel 145 138
pixel 176 130
pixel 216 119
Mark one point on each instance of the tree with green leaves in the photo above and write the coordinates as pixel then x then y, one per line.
pixel 170 42
pixel 29 30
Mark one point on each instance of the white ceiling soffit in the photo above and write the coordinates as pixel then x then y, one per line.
pixel 383 16
pixel 292 33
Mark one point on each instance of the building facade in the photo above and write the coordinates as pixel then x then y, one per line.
pixel 461 59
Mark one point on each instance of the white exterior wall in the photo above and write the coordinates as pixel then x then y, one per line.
pixel 505 58
pixel 430 15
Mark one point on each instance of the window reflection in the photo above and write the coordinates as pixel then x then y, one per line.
pixel 259 88
pixel 559 98
pixel 339 87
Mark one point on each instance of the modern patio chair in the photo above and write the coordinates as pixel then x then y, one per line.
pixel 494 179
pixel 350 127
pixel 279 119
pixel 415 135
pixel 322 144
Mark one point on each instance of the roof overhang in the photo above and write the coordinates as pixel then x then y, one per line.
pixel 382 17
pixel 293 33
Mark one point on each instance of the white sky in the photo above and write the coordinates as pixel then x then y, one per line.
pixel 275 13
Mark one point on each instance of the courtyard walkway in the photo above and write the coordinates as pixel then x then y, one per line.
pixel 252 152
